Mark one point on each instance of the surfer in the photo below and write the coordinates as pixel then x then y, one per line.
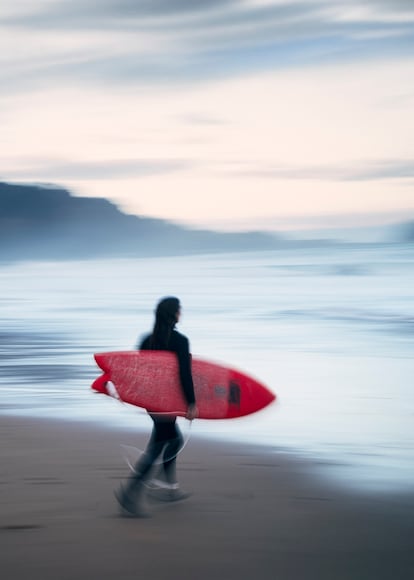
pixel 166 439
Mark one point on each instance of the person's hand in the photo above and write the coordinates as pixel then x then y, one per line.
pixel 192 412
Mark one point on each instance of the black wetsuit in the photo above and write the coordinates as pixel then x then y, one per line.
pixel 179 344
pixel 166 437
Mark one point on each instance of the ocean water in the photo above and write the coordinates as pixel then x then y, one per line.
pixel 329 330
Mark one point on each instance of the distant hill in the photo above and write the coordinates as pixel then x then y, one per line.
pixel 46 222
pixel 404 232
pixel 378 234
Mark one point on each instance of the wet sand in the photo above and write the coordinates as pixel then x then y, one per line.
pixel 255 513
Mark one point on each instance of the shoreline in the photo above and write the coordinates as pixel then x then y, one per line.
pixel 363 476
pixel 254 513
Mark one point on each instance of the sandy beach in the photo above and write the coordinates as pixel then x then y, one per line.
pixel 254 514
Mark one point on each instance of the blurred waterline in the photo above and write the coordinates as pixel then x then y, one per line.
pixel 330 330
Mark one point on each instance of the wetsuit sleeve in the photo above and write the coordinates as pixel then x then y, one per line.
pixel 144 343
pixel 184 364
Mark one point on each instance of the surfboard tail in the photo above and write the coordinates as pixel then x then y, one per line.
pixel 99 384
pixel 101 361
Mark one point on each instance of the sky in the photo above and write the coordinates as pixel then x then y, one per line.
pixel 250 114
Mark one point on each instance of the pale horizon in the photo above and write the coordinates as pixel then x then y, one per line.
pixel 227 115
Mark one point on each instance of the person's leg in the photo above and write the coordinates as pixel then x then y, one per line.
pixel 168 489
pixel 172 448
pixel 154 448
pixel 130 495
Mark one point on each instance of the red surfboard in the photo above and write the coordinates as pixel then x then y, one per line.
pixel 150 379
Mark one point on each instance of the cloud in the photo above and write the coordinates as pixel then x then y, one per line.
pixel 97 170
pixel 132 41
pixel 202 119
pixel 206 13
pixel 393 6
pixel 368 171
pixel 113 14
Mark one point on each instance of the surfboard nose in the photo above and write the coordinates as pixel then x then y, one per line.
pixel 250 397
pixel 262 397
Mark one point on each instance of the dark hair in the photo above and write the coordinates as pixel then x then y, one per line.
pixel 165 321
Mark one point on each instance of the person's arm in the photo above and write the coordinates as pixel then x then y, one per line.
pixel 144 343
pixel 186 377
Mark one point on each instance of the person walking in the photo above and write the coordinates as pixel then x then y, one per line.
pixel 166 439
